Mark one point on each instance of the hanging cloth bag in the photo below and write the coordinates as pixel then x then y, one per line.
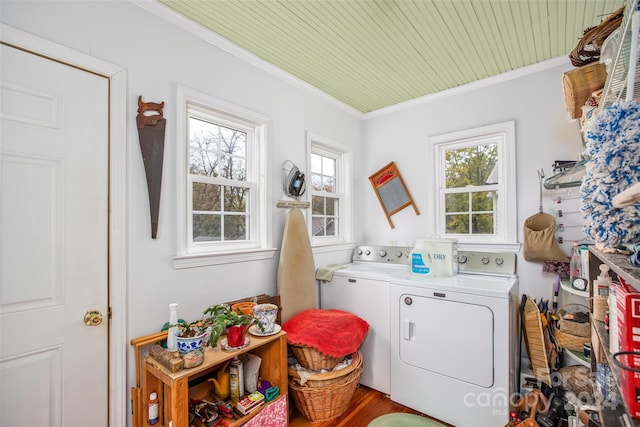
pixel 539 239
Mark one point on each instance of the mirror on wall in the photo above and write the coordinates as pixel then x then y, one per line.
pixel 391 190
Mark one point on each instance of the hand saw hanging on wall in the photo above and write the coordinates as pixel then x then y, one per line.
pixel 151 129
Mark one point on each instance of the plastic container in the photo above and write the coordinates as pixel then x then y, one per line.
pixel 172 339
pixel 434 257
pixel 603 282
pixel 153 414
pixel 575 264
pixel 614 344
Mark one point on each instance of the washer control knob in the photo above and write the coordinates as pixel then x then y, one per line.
pixel 462 259
pixel 382 253
pixel 367 252
pixel 485 260
pixel 359 251
pixel 499 261
pixel 399 254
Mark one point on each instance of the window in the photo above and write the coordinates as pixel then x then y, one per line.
pixel 329 181
pixel 475 177
pixel 220 192
pixel 221 169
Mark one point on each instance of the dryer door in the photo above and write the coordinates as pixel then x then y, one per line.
pixel 448 337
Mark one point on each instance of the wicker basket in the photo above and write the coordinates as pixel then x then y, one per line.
pixel 588 48
pixel 569 341
pixel 577 379
pixel 578 85
pixel 569 326
pixel 325 403
pixel 323 379
pixel 311 358
pixel 600 307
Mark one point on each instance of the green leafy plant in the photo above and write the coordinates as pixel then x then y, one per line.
pixel 219 317
pixel 192 329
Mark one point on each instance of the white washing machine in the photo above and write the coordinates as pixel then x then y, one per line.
pixel 454 340
pixel 362 288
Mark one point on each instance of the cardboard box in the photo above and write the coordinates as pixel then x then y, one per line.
pixel 250 402
pixel 628 313
pixel 628 305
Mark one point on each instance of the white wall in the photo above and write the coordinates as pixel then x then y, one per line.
pixel 543 134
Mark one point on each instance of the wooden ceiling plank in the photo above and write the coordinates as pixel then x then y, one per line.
pixel 342 16
pixel 415 59
pixel 512 39
pixel 388 18
pixel 467 26
pixel 434 34
pixel 493 35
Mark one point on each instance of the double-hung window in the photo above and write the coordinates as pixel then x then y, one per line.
pixel 221 155
pixel 475 180
pixel 329 181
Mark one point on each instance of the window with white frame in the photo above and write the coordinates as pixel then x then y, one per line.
pixel 475 178
pixel 221 155
pixel 329 181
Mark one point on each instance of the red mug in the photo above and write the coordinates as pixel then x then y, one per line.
pixel 235 335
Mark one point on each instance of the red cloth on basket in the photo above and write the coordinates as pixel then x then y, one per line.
pixel 335 333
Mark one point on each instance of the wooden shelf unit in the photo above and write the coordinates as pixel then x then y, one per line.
pixel 620 266
pixel 175 388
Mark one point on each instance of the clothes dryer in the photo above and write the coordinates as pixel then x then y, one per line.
pixel 454 340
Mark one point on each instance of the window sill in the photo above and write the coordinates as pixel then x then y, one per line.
pixel 333 247
pixel 488 246
pixel 203 260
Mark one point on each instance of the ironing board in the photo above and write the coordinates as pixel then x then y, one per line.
pixel 296 270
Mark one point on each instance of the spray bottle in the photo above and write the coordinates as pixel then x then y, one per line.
pixel 602 283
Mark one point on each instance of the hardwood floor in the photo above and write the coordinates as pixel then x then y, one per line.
pixel 366 405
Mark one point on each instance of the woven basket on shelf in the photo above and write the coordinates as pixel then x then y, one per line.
pixel 569 341
pixel 323 379
pixel 600 307
pixel 569 326
pixel 325 403
pixel 588 48
pixel 578 85
pixel 577 379
pixel 311 358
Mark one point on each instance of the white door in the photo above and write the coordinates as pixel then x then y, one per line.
pixel 54 252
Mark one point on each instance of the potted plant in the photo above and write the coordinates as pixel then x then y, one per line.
pixel 190 336
pixel 222 319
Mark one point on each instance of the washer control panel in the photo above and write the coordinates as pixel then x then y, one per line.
pixel 382 254
pixel 468 262
pixel 494 263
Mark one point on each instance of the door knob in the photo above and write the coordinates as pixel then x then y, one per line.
pixel 93 318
